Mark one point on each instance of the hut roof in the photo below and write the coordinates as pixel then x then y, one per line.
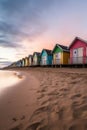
pixel 49 52
pixel 37 53
pixel 77 38
pixel 30 56
pixel 64 48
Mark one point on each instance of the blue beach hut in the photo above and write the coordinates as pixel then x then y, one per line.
pixel 46 57
pixel 18 63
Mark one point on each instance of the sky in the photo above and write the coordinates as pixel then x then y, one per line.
pixel 27 26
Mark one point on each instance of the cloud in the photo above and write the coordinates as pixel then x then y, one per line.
pixel 10 29
pixel 12 6
pixel 2 36
pixel 4 63
pixel 5 43
pixel 23 18
pixel 3 58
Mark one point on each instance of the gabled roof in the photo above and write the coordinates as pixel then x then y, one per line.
pixel 37 53
pixel 30 56
pixel 77 38
pixel 49 52
pixel 26 57
pixel 64 48
pixel 23 58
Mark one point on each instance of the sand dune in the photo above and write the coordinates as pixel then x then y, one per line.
pixel 60 100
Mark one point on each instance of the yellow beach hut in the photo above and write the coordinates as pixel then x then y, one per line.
pixel 26 61
pixel 30 60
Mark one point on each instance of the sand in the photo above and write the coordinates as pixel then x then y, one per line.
pixel 47 99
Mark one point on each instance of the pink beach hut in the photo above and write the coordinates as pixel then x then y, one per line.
pixel 78 51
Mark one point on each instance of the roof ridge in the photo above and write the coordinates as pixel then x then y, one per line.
pixel 78 38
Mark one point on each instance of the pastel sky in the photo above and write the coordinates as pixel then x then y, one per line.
pixel 31 25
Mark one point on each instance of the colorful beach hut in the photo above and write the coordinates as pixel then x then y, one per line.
pixel 30 60
pixel 26 61
pixel 78 51
pixel 60 55
pixel 18 63
pixel 46 57
pixel 36 59
pixel 23 62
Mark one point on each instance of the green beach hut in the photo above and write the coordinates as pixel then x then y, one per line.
pixel 61 55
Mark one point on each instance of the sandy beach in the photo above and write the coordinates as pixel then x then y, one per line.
pixel 46 99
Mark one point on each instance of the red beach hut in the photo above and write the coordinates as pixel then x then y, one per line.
pixel 78 51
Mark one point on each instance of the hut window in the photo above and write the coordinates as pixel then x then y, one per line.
pixel 80 52
pixel 75 53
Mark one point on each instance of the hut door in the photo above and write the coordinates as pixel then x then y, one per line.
pixel 80 52
pixel 35 60
pixel 58 57
pixel 75 55
pixel 80 55
pixel 45 60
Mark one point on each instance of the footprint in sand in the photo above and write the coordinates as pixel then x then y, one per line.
pixel 76 104
pixel 73 82
pixel 43 90
pixel 33 126
pixel 63 89
pixel 44 102
pixel 23 117
pixel 41 109
pixel 14 119
pixel 76 96
pixel 41 96
pixel 53 93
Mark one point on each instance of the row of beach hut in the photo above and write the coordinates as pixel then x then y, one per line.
pixel 75 54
